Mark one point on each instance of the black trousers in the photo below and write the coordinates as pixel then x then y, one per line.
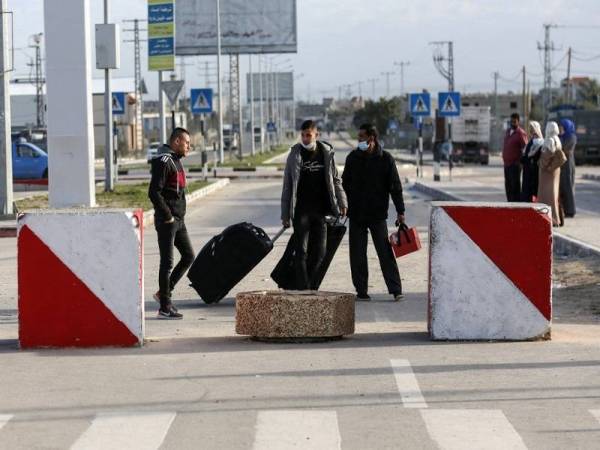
pixel 512 182
pixel 358 256
pixel 309 228
pixel 172 235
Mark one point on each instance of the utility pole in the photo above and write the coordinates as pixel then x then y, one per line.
pixel 38 80
pixel 234 98
pixel 524 99
pixel 109 166
pixel 359 89
pixel 387 82
pixel 402 65
pixel 252 144
pixel 6 179
pixel 548 47
pixel 137 71
pixel 568 96
pixel 439 58
pixel 262 107
pixel 496 75
pixel 372 81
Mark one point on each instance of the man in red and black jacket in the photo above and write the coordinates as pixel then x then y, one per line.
pixel 167 193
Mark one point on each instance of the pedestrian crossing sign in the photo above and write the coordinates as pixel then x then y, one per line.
pixel 201 100
pixel 449 104
pixel 420 104
pixel 118 102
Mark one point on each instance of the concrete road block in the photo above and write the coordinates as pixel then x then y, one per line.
pixel 80 278
pixel 490 271
pixel 294 314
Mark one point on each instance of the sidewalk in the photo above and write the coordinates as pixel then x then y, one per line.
pixel 579 235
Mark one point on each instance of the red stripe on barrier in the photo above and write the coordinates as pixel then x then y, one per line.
pixel 37 181
pixel 55 308
pixel 518 241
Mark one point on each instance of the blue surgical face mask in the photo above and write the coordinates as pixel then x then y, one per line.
pixel 363 146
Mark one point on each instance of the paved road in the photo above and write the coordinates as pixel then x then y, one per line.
pixel 197 385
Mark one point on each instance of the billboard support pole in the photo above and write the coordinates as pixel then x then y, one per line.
pixel 262 109
pixel 252 145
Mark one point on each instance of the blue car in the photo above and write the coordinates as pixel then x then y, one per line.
pixel 29 161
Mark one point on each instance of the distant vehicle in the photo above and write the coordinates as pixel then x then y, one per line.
pixel 28 160
pixel 587 129
pixel 152 151
pixel 258 133
pixel 230 138
pixel 471 135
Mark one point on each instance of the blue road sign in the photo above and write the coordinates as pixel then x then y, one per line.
pixel 271 128
pixel 202 101
pixel 118 102
pixel 449 104
pixel 420 104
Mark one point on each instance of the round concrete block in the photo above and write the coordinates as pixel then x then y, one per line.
pixel 294 315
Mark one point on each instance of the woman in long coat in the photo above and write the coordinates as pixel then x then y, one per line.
pixel 529 161
pixel 568 139
pixel 549 180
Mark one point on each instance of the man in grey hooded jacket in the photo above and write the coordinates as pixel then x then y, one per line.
pixel 312 190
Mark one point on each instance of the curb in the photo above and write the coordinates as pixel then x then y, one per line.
pixel 197 194
pixel 148 215
pixel 590 176
pixel 563 245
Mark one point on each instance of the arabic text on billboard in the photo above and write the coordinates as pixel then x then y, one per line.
pixel 247 26
pixel 161 41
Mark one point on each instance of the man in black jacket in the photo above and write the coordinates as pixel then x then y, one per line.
pixel 312 190
pixel 370 177
pixel 167 193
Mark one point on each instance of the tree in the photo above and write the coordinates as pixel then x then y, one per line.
pixel 590 94
pixel 379 113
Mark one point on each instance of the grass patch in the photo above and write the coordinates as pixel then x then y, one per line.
pixel 258 159
pixel 124 196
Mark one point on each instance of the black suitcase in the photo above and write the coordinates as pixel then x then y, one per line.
pixel 284 273
pixel 227 258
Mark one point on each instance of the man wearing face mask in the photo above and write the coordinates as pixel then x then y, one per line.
pixel 370 177
pixel 312 189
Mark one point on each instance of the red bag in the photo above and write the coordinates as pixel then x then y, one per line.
pixel 404 241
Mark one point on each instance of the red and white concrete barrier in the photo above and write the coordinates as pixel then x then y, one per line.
pixel 80 278
pixel 490 271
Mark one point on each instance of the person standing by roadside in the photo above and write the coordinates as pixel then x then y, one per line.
pixel 312 190
pixel 515 140
pixel 550 177
pixel 167 193
pixel 529 160
pixel 568 139
pixel 370 177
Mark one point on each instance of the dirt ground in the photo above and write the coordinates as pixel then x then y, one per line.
pixel 576 290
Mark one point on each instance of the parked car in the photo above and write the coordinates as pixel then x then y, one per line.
pixel 29 161
pixel 152 151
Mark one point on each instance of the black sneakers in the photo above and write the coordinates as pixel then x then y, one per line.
pixel 169 313
pixel 363 298
pixel 156 297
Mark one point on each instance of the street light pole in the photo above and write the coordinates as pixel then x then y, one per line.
pixel 220 83
pixel 252 146
pixel 6 184
pixel 109 168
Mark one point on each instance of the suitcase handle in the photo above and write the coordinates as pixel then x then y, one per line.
pixel 278 235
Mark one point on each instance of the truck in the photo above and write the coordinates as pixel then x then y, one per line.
pixel 471 135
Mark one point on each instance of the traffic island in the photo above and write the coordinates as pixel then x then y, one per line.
pixel 294 316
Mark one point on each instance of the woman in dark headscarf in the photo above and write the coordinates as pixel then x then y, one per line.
pixel 568 140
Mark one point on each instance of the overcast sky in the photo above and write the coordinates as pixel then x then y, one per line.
pixel 347 41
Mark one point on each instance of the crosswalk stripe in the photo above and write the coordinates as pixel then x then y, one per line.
pixel 4 418
pixel 407 383
pixel 303 429
pixel 473 429
pixel 595 413
pixel 139 430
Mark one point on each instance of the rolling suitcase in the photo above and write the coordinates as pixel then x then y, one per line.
pixel 227 258
pixel 284 273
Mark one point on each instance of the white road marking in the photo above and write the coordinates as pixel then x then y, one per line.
pixel 474 429
pixel 305 429
pixel 593 412
pixel 407 383
pixel 139 430
pixel 4 418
